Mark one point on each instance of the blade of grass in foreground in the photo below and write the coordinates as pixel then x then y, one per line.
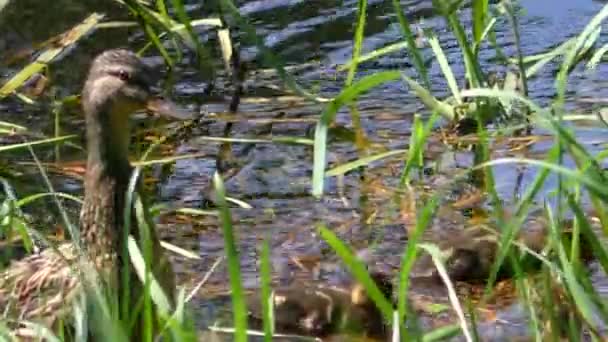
pixel 445 67
pixel 409 36
pixel 419 139
pixel 347 95
pixel 141 259
pixel 357 41
pixel 38 142
pixel 442 334
pixel 267 309
pixel 145 18
pixel 480 12
pixel 202 54
pixel 584 304
pixel 436 255
pixel 376 54
pixel 238 298
pixel 472 67
pixel 570 57
pixel 409 256
pixel 66 40
pixel 507 234
pixel 596 243
pixel 11 128
pixel 429 100
pixel 358 269
pixel 355 164
pixel 583 230
pixel 179 324
pixel 512 16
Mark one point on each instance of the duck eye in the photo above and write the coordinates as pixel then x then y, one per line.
pixel 123 75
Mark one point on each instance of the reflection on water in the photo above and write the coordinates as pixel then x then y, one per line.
pixel 274 178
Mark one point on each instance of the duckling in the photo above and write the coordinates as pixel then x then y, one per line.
pixel 42 286
pixel 471 252
pixel 317 310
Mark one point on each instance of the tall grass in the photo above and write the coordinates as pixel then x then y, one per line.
pixel 563 273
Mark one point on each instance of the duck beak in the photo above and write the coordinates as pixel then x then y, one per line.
pixel 167 108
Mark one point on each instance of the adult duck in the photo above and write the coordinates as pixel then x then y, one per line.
pixel 41 287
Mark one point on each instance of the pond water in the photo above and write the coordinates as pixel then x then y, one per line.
pixel 273 178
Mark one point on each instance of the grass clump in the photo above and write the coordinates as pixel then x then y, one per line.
pixel 484 109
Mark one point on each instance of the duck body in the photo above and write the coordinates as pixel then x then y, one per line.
pixel 38 285
pixel 319 310
pixel 41 286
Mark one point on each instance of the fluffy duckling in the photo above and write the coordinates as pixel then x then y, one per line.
pixel 470 253
pixel 317 310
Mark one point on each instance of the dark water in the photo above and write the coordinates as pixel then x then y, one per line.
pixel 274 178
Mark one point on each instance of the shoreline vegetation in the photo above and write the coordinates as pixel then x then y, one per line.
pixel 484 111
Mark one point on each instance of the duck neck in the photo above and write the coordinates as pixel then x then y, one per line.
pixel 106 182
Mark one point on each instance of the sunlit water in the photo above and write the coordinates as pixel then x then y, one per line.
pixel 274 178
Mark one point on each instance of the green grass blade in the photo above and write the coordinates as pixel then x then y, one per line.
pixel 374 55
pixel 266 297
pixel 479 10
pixel 35 143
pixel 142 262
pixel 512 15
pixel 429 100
pixel 32 198
pixel 445 67
pixel 472 67
pixel 329 113
pixel 571 54
pixel 410 254
pixel 436 255
pixel 590 236
pixel 146 17
pixel 359 271
pixel 46 57
pixel 583 303
pixel 508 233
pixel 202 54
pixel 357 41
pixel 344 168
pixel 443 333
pixel 417 147
pixel 597 57
pixel 236 284
pixel 410 37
